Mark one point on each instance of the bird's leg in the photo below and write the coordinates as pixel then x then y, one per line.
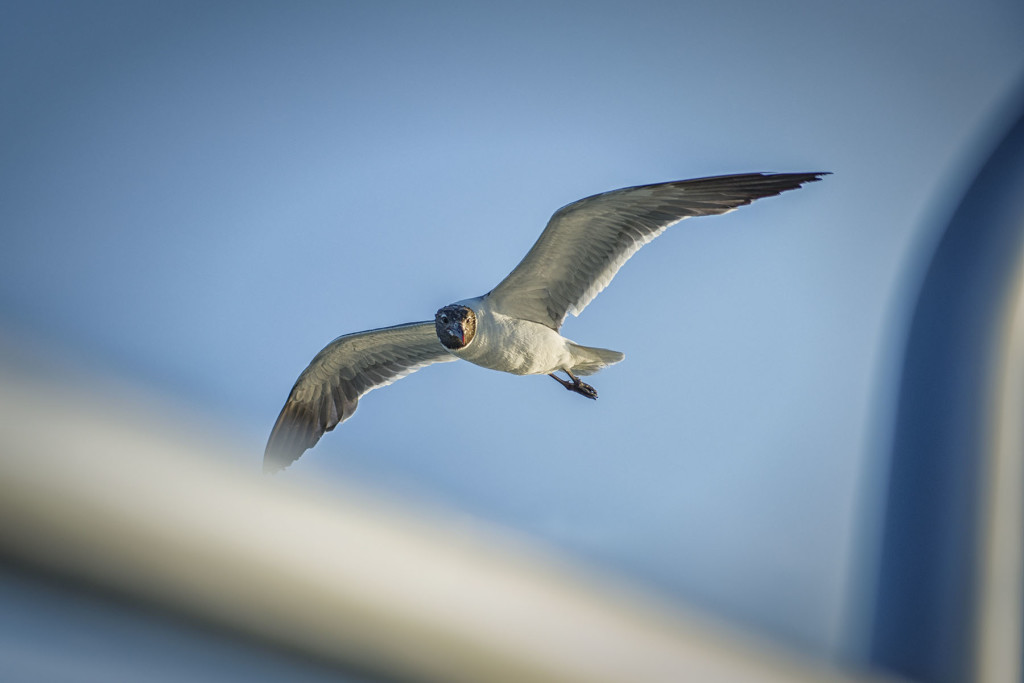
pixel 564 382
pixel 581 388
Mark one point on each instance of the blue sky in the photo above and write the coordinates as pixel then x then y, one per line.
pixel 200 196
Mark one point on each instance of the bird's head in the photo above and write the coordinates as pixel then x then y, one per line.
pixel 455 325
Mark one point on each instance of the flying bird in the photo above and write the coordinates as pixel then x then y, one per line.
pixel 514 327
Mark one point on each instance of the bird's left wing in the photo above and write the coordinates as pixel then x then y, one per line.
pixel 327 392
pixel 586 242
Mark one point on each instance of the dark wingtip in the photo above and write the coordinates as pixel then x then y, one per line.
pixel 802 179
pixel 272 465
pixel 293 434
pixel 276 457
pixel 770 184
pixel 797 178
pixel 762 184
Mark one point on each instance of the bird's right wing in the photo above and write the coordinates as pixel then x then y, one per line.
pixel 327 392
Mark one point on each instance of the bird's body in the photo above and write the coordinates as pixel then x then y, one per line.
pixel 515 327
pixel 523 347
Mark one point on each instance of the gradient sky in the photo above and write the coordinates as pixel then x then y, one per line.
pixel 199 196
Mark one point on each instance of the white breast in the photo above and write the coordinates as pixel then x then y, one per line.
pixel 520 347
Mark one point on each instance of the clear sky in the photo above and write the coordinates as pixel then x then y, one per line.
pixel 199 196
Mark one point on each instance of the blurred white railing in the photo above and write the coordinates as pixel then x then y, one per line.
pixel 100 491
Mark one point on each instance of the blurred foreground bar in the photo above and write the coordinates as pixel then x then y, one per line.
pixel 949 601
pixel 109 498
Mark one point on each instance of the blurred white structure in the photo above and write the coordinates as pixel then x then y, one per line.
pixel 104 495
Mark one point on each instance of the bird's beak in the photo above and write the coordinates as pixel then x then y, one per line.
pixel 456 330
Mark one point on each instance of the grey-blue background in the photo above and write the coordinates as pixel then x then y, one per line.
pixel 199 196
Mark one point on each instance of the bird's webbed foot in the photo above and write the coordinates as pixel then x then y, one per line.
pixel 574 384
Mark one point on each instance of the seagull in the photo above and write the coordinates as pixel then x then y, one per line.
pixel 513 328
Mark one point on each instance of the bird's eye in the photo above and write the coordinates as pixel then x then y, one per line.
pixel 444 320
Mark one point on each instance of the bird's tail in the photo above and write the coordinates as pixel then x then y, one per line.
pixel 590 359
